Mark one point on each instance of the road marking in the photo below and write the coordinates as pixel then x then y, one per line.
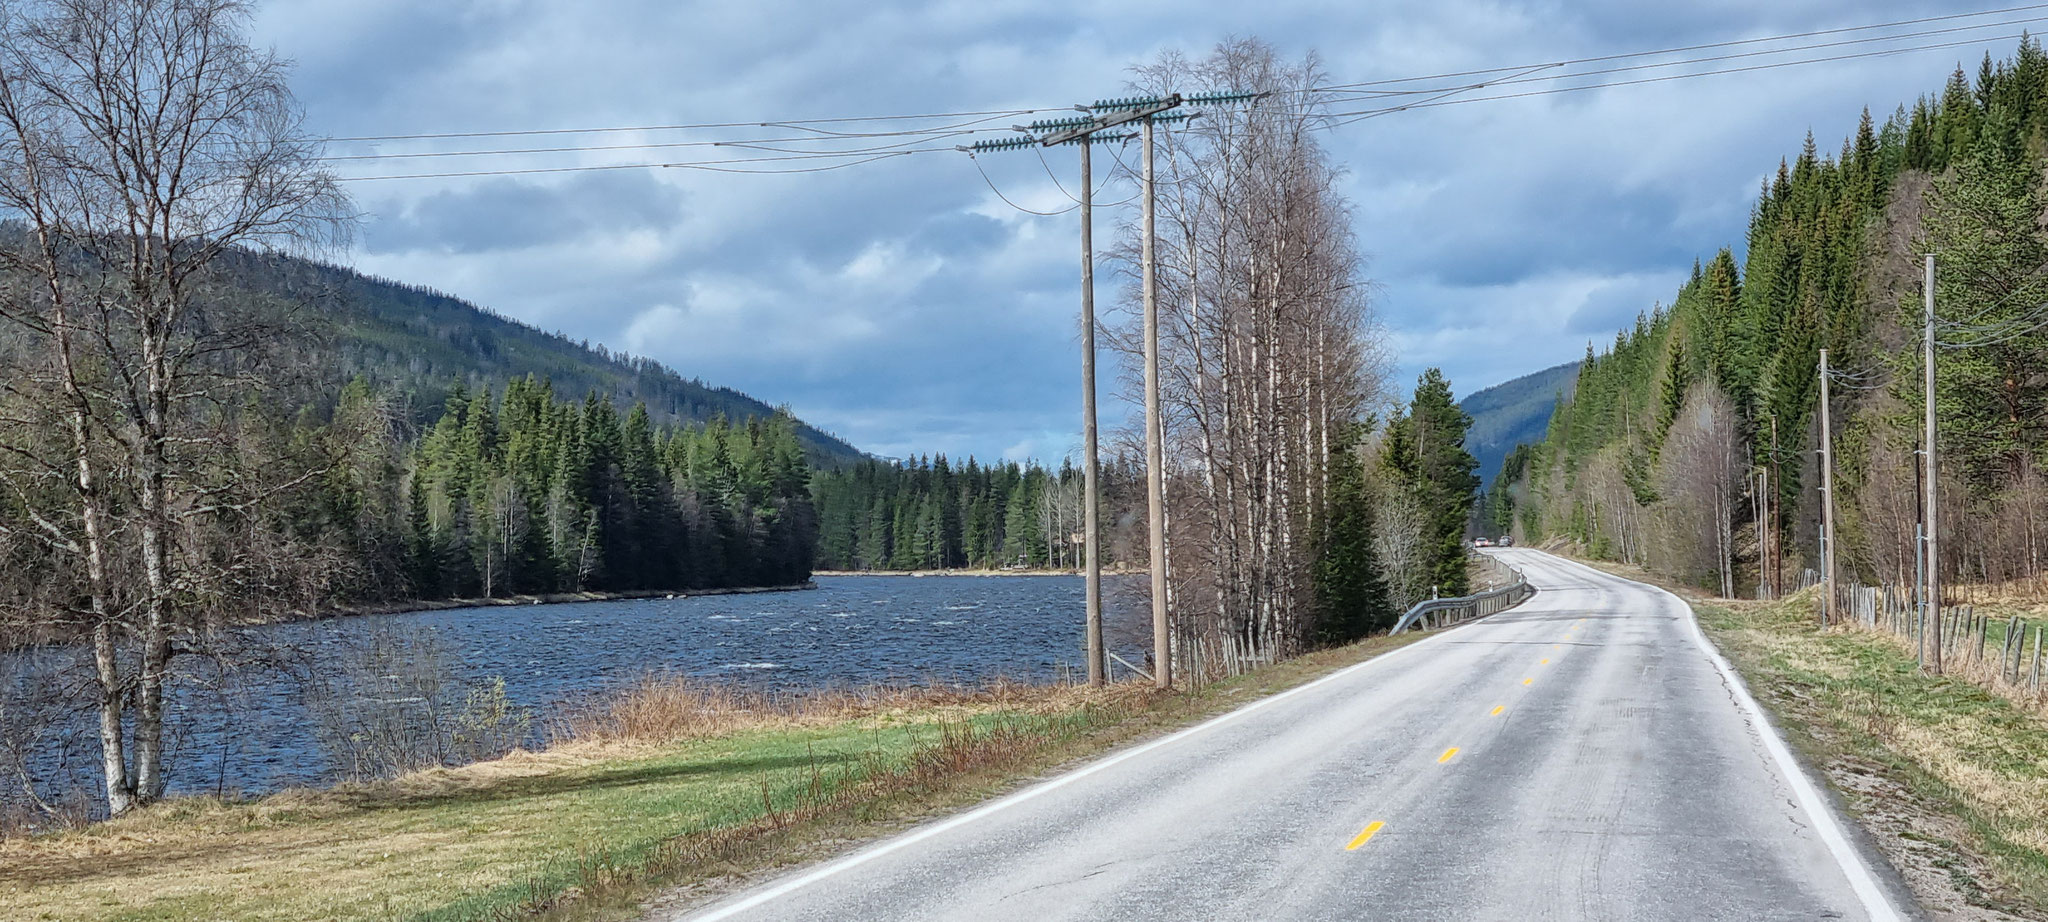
pixel 1446 757
pixel 1497 709
pixel 770 893
pixel 1529 681
pixel 1876 904
pixel 1557 646
pixel 1371 829
pixel 1543 662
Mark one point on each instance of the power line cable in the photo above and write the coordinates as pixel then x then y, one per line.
pixel 1439 96
pixel 1522 78
pixel 773 123
pixel 1683 48
pixel 1006 199
pixel 721 166
pixel 744 143
pixel 938 132
pixel 1997 340
pixel 1363 114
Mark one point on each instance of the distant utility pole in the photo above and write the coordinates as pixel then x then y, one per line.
pixel 1763 556
pixel 1770 509
pixel 1931 476
pixel 1827 495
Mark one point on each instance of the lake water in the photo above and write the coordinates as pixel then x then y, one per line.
pixel 254 732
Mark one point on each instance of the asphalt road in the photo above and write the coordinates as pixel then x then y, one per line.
pixel 1583 756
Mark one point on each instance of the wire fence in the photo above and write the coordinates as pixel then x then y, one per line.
pixel 2003 652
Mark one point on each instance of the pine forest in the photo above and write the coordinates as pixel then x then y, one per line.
pixel 1692 443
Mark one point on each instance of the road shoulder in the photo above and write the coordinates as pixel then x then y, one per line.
pixel 1946 782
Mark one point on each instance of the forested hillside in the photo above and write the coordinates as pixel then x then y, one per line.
pixel 458 454
pixel 1514 413
pixel 415 343
pixel 1694 431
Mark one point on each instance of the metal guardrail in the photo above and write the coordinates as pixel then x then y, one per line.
pixel 1436 613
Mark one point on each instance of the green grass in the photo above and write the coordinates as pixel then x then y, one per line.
pixel 590 830
pixel 447 845
pixel 1972 765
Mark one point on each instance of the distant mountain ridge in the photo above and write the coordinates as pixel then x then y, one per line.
pixel 417 341
pixel 1513 413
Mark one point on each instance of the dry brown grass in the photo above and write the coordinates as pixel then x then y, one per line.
pixel 1951 778
pixel 674 708
pixel 2026 596
pixel 1976 671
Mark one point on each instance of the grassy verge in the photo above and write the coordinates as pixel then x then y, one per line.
pixel 1950 780
pixel 672 787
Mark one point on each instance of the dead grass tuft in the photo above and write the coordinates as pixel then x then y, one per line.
pixel 674 708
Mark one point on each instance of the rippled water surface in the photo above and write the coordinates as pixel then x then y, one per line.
pixel 253 734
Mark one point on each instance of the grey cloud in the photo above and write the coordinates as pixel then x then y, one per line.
pixel 882 302
pixel 512 213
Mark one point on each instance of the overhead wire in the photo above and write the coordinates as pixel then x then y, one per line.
pixel 971 122
pixel 1006 199
pixel 1522 77
pixel 1997 340
pixel 1363 114
pixel 942 131
pixel 708 165
pixel 742 144
pixel 1091 195
pixel 1685 48
pixel 769 123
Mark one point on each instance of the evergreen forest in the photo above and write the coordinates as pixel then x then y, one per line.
pixel 1692 441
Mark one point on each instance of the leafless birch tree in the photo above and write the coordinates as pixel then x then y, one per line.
pixel 140 142
pixel 1266 347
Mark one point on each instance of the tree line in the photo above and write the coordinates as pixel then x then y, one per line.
pixel 1690 444
pixel 521 492
pixel 925 514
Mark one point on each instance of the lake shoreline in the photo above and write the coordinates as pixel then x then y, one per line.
pixel 412 606
pixel 551 598
pixel 963 571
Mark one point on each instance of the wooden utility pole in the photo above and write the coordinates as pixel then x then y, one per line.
pixel 1771 510
pixel 1092 571
pixel 1763 555
pixel 1155 448
pixel 1827 500
pixel 1083 131
pixel 1932 475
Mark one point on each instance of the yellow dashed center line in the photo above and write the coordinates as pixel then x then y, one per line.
pixel 1371 829
pixel 1543 662
pixel 1446 757
pixel 1529 681
pixel 1497 709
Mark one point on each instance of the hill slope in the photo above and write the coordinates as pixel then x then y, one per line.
pixel 417 341
pixel 1513 413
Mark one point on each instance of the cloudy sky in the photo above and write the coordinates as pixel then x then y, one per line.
pixel 905 307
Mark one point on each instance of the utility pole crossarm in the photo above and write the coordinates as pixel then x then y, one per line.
pixel 1102 122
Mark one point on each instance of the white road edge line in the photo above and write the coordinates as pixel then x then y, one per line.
pixel 1875 902
pixel 919 835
